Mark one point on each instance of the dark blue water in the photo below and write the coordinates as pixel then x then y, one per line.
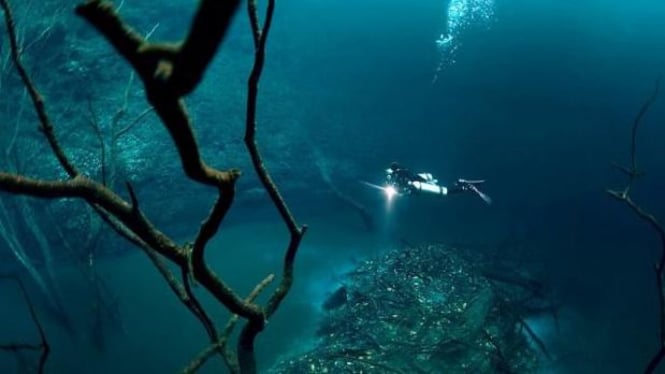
pixel 539 102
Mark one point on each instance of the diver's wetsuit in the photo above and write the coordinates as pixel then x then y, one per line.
pixel 403 181
pixel 403 178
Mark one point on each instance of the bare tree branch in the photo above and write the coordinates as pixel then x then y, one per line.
pixel 38 102
pixel 170 71
pixel 221 344
pixel 650 219
pixel 254 326
pixel 633 172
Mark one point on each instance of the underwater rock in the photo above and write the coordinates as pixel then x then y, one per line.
pixel 420 309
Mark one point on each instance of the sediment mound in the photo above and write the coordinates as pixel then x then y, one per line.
pixel 421 309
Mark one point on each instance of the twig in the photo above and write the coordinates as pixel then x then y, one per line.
pixel 185 298
pixel 94 123
pixel 250 128
pixel 54 17
pixel 633 172
pixel 43 346
pixel 38 102
pixel 152 31
pixel 202 357
pixel 255 325
pixel 650 219
pixel 659 270
pixel 295 231
pixel 131 125
pixel 125 103
pixel 196 307
pixel 636 122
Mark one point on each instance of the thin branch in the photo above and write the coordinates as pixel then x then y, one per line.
pixel 636 123
pixel 200 268
pixel 44 33
pixel 221 343
pixel 196 307
pixel 248 335
pixel 181 292
pixel 37 100
pixel 657 359
pixel 131 125
pixel 650 219
pixel 94 123
pixel 125 103
pixel 250 140
pixel 152 31
pixel 43 346
pixel 211 224
pixel 660 231
pixel 250 128
pixel 633 172
pixel 122 110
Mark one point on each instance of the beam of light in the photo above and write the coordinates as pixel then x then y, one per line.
pixel 372 185
pixel 389 191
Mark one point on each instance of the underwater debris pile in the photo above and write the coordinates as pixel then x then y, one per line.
pixel 419 309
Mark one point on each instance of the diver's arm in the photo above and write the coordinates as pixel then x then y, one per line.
pixel 457 188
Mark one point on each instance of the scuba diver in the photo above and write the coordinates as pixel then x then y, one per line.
pixel 401 181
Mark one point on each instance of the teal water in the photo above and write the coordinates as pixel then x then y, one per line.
pixel 537 97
